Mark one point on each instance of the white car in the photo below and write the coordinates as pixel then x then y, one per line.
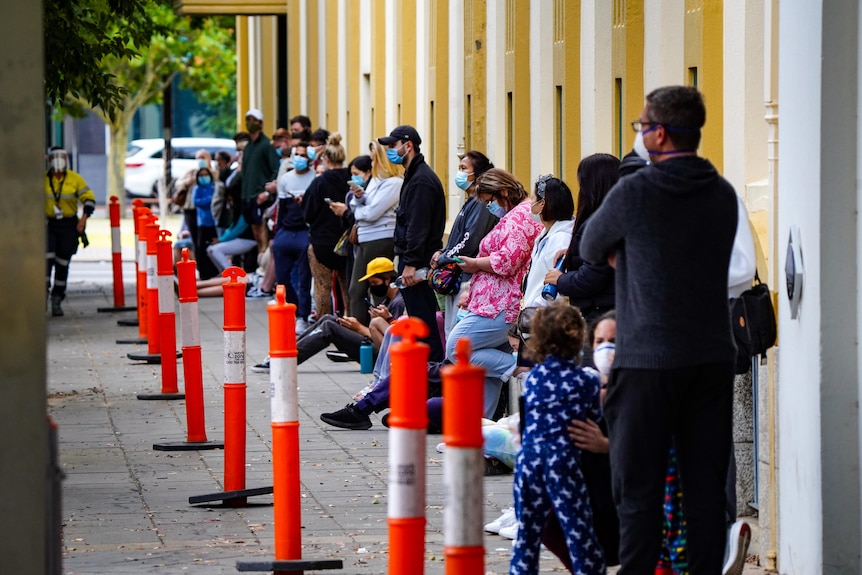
pixel 145 163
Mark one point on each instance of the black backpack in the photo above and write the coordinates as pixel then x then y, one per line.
pixel 753 320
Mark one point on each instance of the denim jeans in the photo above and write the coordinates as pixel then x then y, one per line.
pixel 290 249
pixel 489 345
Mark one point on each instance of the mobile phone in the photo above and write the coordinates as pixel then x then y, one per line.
pixel 368 303
pixel 457 260
pixel 327 200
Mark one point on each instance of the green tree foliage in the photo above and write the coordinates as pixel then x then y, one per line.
pixel 159 45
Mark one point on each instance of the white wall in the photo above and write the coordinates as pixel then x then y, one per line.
pixel 819 509
pixel 597 98
pixel 541 89
pixel 664 44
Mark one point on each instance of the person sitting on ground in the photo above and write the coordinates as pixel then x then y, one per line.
pixel 346 333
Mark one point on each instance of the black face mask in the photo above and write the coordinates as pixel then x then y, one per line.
pixel 379 290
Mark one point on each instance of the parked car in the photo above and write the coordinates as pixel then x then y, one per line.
pixel 145 164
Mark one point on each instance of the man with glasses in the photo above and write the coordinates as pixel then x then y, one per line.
pixel 669 230
pixel 419 222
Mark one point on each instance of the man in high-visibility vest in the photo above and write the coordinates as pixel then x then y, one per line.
pixel 64 190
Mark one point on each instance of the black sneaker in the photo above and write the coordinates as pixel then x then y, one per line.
pixel 494 466
pixel 347 418
pixel 262 367
pixel 337 356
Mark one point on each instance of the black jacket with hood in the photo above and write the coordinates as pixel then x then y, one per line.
pixel 421 215
pixel 671 226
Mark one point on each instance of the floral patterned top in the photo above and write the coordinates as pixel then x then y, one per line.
pixel 509 246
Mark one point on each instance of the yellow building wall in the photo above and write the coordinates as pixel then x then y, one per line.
pixel 294 96
pixel 712 146
pixel 354 146
pixel 242 65
pixel 520 83
pixel 378 69
pixel 407 86
pixel 314 74
pixel 438 90
pixel 330 115
pixel 567 57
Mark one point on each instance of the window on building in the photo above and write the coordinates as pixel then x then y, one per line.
pixel 559 144
pixel 510 133
pixel 692 76
pixel 618 115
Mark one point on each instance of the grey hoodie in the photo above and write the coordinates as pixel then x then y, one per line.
pixel 672 226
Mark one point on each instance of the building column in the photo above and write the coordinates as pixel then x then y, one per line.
pixel 818 395
pixel 664 45
pixel 597 95
pixel 24 529
pixel 456 99
pixel 542 149
pixel 495 83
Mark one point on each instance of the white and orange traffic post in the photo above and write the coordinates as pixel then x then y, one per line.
pixel 116 260
pixel 463 465
pixel 408 426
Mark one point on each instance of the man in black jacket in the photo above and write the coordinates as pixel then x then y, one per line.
pixel 419 222
pixel 669 230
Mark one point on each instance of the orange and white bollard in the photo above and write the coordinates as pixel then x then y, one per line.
pixel 150 232
pixel 284 406
pixel 463 465
pixel 235 493
pixel 408 426
pixel 140 213
pixel 116 260
pixel 196 438
pixel 167 323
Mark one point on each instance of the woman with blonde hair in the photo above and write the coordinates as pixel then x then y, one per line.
pixel 324 227
pixel 495 288
pixel 373 204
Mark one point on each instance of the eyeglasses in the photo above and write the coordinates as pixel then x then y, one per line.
pixel 638 126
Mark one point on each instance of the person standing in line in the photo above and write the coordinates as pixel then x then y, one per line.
pixel 373 204
pixel 259 166
pixel 419 222
pixel 64 190
pixel 668 227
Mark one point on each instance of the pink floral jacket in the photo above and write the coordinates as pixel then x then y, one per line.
pixel 509 245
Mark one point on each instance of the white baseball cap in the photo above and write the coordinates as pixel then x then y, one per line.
pixel 255 113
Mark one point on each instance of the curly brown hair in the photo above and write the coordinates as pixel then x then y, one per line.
pixel 559 330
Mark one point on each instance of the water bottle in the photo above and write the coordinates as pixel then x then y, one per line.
pixel 420 275
pixel 366 357
pixel 549 292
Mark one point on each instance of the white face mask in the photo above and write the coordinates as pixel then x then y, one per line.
pixel 640 148
pixel 536 217
pixel 603 357
pixel 58 163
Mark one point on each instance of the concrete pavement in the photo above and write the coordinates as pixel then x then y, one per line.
pixel 125 506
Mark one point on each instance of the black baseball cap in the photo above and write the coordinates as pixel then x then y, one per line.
pixel 400 134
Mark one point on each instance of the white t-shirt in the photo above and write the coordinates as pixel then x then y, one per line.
pixel 293 184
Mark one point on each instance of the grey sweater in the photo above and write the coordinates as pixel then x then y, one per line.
pixel 672 226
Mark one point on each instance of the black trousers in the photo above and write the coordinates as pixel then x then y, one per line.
pixel 421 302
pixel 645 409
pixel 61 239
pixel 327 331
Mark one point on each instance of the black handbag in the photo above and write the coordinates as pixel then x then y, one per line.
pixel 753 320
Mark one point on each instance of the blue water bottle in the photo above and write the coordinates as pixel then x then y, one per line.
pixel 366 357
pixel 549 292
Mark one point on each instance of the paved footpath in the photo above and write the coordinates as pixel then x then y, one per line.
pixel 125 506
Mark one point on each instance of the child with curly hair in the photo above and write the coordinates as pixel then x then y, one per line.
pixel 548 477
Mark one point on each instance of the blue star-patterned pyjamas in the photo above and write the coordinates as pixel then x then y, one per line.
pixel 548 477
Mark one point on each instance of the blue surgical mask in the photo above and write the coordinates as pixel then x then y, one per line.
pixel 278 152
pixel 202 163
pixel 312 153
pixel 358 180
pixel 205 180
pixel 461 180
pixel 300 163
pixel 461 314
pixel 393 156
pixel 495 208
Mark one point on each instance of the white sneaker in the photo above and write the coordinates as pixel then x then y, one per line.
pixel 301 325
pixel 738 540
pixel 510 532
pixel 507 519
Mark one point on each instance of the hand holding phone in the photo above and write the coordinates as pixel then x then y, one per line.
pixel 327 200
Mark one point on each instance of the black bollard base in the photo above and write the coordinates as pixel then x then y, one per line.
pixel 128 322
pixel 187 445
pixel 137 341
pixel 231 498
pixel 157 396
pixel 149 357
pixel 290 565
pixel 115 309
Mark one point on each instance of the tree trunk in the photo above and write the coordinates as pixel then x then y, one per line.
pixel 117 160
